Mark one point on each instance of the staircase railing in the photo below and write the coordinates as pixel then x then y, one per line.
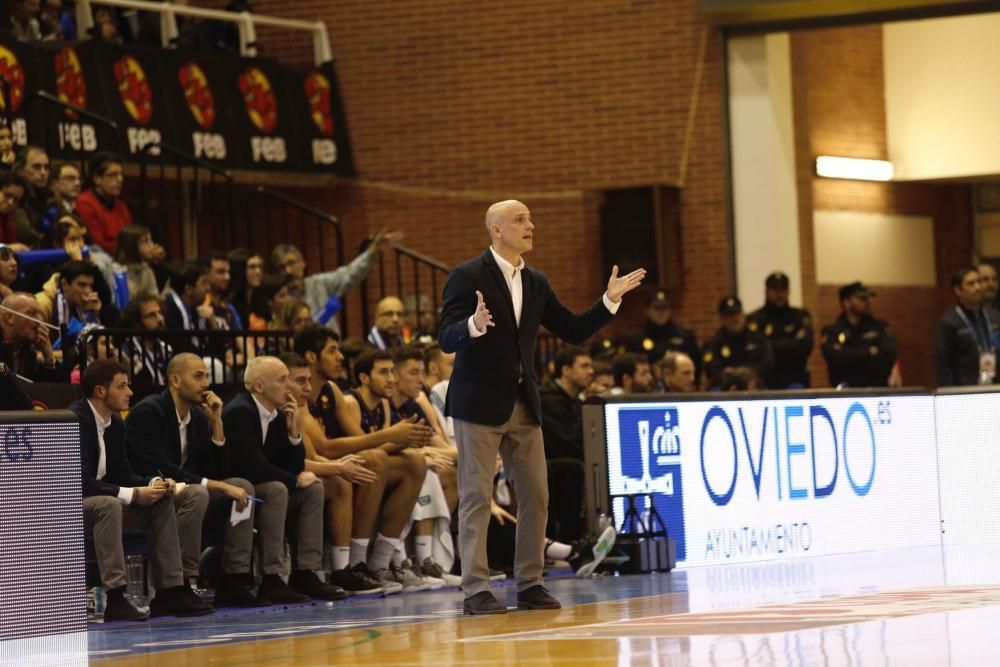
pixel 70 143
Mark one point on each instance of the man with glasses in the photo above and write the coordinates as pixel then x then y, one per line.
pixel 101 207
pixel 386 333
pixel 66 187
pixel 323 292
pixel 32 165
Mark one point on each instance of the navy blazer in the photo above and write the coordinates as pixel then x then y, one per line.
pixel 484 381
pixel 254 460
pixel 154 442
pixel 118 471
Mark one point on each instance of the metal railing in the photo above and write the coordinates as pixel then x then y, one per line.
pixel 186 189
pixel 71 143
pixel 245 23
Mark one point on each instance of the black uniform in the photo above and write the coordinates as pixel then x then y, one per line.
pixel 957 347
pixel 859 356
pixel 724 350
pixel 790 332
pixel 656 340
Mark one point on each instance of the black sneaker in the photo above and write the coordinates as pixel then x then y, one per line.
pixel 307 583
pixel 177 601
pixel 118 608
pixel 482 603
pixel 278 592
pixel 536 597
pixel 236 590
pixel 588 555
pixel 355 581
pixel 388 586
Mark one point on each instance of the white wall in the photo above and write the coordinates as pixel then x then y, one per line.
pixel 765 204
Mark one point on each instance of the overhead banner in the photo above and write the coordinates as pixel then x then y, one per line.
pixel 755 480
pixel 244 113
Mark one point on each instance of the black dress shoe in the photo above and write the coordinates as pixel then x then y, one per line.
pixel 118 608
pixel 177 601
pixel 278 592
pixel 481 604
pixel 536 597
pixel 236 590
pixel 307 583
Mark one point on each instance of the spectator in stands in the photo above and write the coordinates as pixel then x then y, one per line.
pixel 219 281
pixel 368 407
pixel 420 323
pixel 734 344
pixel 134 250
pixel 603 381
pixel 965 347
pixel 267 300
pixel 180 432
pixel 66 186
pixel 100 207
pixel 562 433
pixel 7 153
pixel 12 395
pixel 989 285
pixel 185 300
pixel 317 290
pixel 30 221
pixel 147 354
pixel 69 234
pixel 247 274
pixel 659 332
pixel 789 331
pixel 8 272
pixel 25 340
pixel 56 24
pixel 12 188
pixel 69 299
pixel 677 373
pixel 860 350
pixel 740 378
pixel 114 496
pixel 386 333
pixel 439 493
pixel 293 316
pixel 334 433
pixel 24 24
pixel 339 477
pixel 262 425
pixel 633 374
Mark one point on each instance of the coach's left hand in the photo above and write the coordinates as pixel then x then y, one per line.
pixel 618 286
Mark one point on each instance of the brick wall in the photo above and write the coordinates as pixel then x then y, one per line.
pixel 840 110
pixel 453 105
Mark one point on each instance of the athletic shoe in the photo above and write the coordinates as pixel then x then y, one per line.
pixel 388 586
pixel 408 579
pixel 355 581
pixel 588 555
pixel 433 583
pixel 430 568
pixel 497 575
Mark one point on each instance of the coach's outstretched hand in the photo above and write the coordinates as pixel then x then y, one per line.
pixel 482 317
pixel 618 286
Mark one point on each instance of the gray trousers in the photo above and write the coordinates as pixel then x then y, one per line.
pixel 107 516
pixel 305 508
pixel 191 506
pixel 519 442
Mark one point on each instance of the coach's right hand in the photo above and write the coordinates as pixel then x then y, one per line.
pixel 482 317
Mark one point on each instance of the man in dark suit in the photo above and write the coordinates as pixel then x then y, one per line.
pixel 180 433
pixel 113 494
pixel 262 426
pixel 493 395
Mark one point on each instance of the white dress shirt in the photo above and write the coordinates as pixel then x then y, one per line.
pixel 265 421
pixel 124 492
pixel 512 275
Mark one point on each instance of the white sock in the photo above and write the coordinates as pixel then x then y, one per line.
pixel 558 550
pixel 341 557
pixel 422 545
pixel 382 552
pixel 398 556
pixel 359 550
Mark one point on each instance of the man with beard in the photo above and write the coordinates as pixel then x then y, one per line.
pixel 32 165
pixel 790 332
pixel 179 433
pixel 964 340
pixel 734 344
pixel 859 349
pixel 989 284
pixel 659 333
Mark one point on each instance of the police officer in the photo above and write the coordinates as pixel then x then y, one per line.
pixel 790 332
pixel 859 349
pixel 659 333
pixel 734 345
pixel 964 340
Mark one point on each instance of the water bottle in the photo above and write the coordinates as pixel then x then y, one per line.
pixel 134 572
pixel 121 294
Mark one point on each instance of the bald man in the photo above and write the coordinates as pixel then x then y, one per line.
pixel 262 425
pixel 179 434
pixel 493 307
pixel 24 341
pixel 386 333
